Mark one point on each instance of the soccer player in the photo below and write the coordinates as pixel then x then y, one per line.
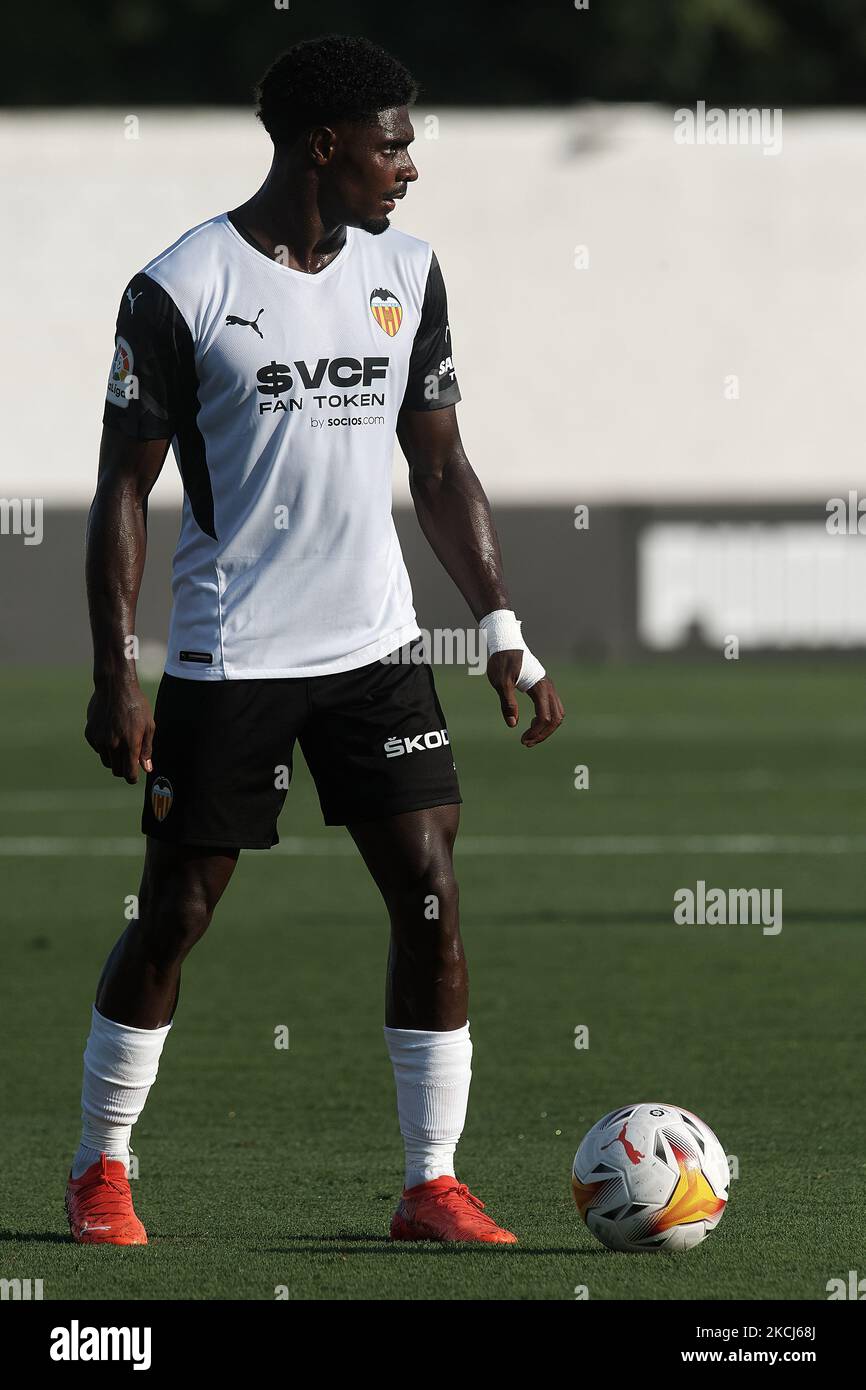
pixel 279 347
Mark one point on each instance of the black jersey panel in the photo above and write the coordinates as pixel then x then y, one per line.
pixel 432 381
pixel 153 386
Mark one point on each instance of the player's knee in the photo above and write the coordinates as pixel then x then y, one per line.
pixel 427 897
pixel 441 891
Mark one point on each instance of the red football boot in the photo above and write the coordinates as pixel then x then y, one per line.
pixel 445 1209
pixel 99 1206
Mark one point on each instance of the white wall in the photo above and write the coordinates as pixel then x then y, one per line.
pixel 790 584
pixel 578 384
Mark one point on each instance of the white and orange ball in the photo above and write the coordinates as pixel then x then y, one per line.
pixel 650 1177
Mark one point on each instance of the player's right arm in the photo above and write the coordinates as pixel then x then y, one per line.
pixel 143 403
pixel 119 719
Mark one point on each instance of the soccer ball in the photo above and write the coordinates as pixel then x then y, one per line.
pixel 650 1177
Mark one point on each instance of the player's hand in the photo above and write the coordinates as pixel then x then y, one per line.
pixel 120 729
pixel 503 670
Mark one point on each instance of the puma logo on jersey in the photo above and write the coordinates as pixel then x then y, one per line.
pixel 396 747
pixel 132 298
pixel 248 323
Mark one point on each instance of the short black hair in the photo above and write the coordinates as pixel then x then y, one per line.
pixel 333 78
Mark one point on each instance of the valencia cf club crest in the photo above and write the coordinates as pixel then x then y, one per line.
pixel 161 797
pixel 386 310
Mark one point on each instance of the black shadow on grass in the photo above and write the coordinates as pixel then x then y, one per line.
pixel 381 1245
pixel 36 1238
pixel 304 1244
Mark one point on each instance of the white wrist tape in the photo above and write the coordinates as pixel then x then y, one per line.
pixel 502 634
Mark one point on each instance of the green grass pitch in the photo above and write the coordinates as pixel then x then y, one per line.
pixel 263 1168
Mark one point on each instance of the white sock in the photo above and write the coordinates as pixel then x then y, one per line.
pixel 432 1072
pixel 120 1066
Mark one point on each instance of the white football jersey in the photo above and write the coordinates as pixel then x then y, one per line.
pixel 280 392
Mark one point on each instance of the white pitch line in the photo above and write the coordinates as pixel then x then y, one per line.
pixel 588 846
pixel 605 784
pixel 85 800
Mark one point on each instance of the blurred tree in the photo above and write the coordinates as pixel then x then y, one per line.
pixel 134 53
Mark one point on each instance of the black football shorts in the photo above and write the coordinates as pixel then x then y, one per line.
pixel 374 739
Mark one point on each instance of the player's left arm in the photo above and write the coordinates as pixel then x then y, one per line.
pixel 455 516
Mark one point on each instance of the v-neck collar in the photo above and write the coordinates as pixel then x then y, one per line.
pixel 300 275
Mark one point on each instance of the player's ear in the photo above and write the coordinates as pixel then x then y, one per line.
pixel 321 144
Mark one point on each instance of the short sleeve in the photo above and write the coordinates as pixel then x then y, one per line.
pixel 145 384
pixel 432 382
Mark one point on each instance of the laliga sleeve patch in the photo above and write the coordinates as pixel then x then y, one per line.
pixel 121 380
